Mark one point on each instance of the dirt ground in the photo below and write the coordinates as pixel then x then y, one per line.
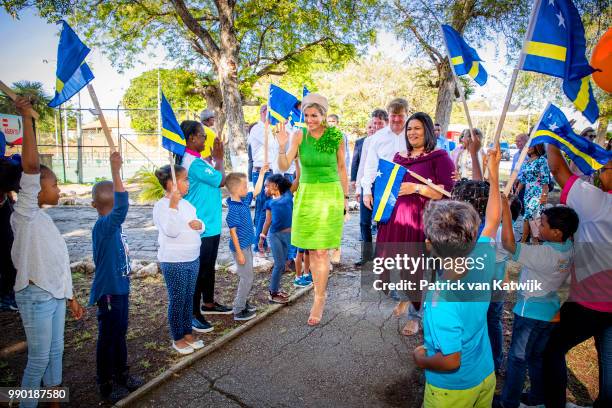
pixel 149 341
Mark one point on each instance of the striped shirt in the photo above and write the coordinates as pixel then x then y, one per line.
pixel 239 217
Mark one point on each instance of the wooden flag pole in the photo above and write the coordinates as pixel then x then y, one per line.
pixel 105 129
pixel 429 183
pixel 9 92
pixel 172 169
pixel 519 65
pixel 521 158
pixel 459 86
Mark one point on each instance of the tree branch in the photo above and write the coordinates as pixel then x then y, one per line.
pixel 268 69
pixel 212 49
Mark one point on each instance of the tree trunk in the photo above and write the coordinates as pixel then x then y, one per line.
pixel 214 101
pixel 446 95
pixel 232 106
pixel 602 129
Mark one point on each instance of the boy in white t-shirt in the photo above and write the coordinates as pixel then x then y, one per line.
pixel 536 312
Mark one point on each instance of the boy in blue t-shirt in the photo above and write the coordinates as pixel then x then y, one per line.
pixel 536 312
pixel 457 355
pixel 111 286
pixel 242 234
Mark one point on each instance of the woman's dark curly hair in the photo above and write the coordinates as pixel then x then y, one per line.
pixel 473 192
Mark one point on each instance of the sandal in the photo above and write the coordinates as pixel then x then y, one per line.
pixel 315 317
pixel 411 328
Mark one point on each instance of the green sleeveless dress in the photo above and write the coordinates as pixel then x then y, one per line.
pixel 318 206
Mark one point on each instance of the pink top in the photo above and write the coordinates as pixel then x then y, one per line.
pixel 591 284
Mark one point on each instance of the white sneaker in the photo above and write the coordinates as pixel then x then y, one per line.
pixel 196 345
pixel 184 350
pixel 572 405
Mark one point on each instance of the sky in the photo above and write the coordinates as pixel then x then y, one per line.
pixel 29 50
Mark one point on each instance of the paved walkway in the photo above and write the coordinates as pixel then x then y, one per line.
pixel 355 358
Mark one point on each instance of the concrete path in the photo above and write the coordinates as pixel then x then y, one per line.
pixel 355 358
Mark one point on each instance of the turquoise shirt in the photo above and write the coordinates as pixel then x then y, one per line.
pixel 461 326
pixel 205 194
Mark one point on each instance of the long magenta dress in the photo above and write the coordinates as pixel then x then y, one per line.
pixel 403 233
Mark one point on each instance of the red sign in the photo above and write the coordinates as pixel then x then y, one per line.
pixel 12 128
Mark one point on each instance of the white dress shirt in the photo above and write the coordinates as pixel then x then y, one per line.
pixel 256 140
pixel 39 251
pixel 384 145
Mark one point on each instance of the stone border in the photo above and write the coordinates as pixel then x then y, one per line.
pixel 192 358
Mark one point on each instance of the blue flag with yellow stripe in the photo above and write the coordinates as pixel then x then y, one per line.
pixel 580 92
pixel 464 58
pixel 386 189
pixel 72 73
pixel 555 129
pixel 173 138
pixel 280 104
pixel 557 45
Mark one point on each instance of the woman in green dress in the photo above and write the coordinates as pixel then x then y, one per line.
pixel 322 196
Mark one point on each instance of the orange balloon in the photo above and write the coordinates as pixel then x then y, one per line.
pixel 602 59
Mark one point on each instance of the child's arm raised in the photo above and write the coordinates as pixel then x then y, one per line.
pixel 493 214
pixel 29 151
pixel 260 180
pixel 437 362
pixel 239 255
pixel 507 231
pixel 116 161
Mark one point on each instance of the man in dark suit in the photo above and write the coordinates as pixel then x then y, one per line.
pixel 378 121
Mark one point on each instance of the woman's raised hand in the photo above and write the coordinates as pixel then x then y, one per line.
pixel 282 136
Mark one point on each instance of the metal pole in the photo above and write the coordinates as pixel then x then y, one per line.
pixel 62 144
pixel 159 121
pixel 79 143
pixel 119 139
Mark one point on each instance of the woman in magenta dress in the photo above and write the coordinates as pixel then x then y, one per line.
pixel 403 233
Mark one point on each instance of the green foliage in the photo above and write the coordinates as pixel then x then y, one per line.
pixel 150 189
pixel 179 87
pixel 364 85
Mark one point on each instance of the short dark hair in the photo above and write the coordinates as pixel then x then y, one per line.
pixel 451 227
pixel 437 124
pixel 10 175
pixel 164 174
pixel 539 149
pixel 515 208
pixel 190 127
pixel 333 115
pixel 281 182
pixel 562 218
pixel 474 192
pixel 380 114
pixel 430 137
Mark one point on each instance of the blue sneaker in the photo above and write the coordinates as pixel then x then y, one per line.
pixel 307 278
pixel 201 326
pixel 301 282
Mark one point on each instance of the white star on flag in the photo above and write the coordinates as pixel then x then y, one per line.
pixel 551 2
pixel 553 126
pixel 378 174
pixel 561 20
